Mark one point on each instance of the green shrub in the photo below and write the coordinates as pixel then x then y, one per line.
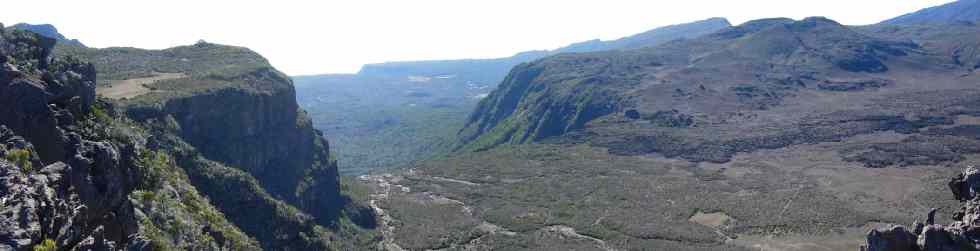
pixel 21 158
pixel 153 166
pixel 100 115
pixel 46 245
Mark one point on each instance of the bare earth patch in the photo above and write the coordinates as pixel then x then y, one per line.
pixel 130 88
pixel 718 219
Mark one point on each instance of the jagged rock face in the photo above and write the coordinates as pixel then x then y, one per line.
pixel 962 234
pixel 83 205
pixel 65 188
pixel 36 106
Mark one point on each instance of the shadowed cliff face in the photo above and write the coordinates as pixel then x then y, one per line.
pixel 261 132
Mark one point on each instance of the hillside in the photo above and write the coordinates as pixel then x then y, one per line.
pixel 958 11
pixel 395 113
pixel 777 133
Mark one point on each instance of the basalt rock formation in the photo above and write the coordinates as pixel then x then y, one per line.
pixel 55 183
pixel 961 234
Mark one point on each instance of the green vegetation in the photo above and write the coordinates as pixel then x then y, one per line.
pixel 20 158
pixel 46 245
pixel 376 124
pixel 175 212
pixel 409 134
pixel 99 115
pixel 356 227
pixel 154 165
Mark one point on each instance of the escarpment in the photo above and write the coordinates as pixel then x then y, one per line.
pixel 260 129
pixel 69 171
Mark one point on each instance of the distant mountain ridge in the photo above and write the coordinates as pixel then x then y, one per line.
pixel 49 31
pixel 959 11
pixel 488 68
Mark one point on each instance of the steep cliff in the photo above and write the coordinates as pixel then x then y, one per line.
pixel 255 126
pixel 73 177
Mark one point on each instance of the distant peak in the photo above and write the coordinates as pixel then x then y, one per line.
pixel 720 20
pixel 813 22
pixel 954 12
pixel 819 20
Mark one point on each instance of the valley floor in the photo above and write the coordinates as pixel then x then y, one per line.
pixel 555 197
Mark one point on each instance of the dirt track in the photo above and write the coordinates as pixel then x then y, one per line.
pixel 130 88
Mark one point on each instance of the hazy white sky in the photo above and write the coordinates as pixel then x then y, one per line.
pixel 329 36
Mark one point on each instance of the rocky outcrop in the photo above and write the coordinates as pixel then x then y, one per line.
pixel 962 234
pixel 81 204
pixel 48 30
pixel 55 184
pixel 40 94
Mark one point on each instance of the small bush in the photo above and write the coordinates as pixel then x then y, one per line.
pixel 21 158
pixel 46 245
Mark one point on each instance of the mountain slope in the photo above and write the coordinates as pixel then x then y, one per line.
pixel 652 37
pixel 958 11
pixel 686 88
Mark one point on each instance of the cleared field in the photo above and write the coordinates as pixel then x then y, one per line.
pixel 130 88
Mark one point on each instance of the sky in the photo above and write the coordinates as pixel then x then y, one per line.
pixel 302 37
